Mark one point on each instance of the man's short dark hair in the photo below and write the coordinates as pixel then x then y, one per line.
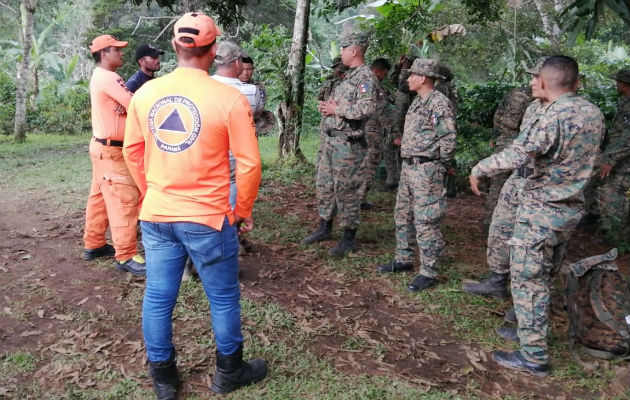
pixel 247 60
pixel 97 54
pixel 193 52
pixel 381 64
pixel 560 72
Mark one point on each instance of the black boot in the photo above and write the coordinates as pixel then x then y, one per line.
pixel 515 360
pixel 346 245
pixel 323 232
pixel 507 333
pixel 510 316
pixel 495 286
pixel 232 372
pixel 165 378
pixel 420 282
pixel 394 266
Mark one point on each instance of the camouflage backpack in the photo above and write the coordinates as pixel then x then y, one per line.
pixel 598 304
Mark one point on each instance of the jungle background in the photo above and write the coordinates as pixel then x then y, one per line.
pixel 330 329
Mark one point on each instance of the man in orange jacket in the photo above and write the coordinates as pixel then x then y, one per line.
pixel 113 199
pixel 179 130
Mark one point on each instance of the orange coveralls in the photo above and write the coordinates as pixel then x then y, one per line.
pixel 114 197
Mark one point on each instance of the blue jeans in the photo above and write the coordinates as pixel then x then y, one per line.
pixel 215 255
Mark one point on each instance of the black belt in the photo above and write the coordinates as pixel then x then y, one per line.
pixel 109 142
pixel 524 172
pixel 335 133
pixel 417 160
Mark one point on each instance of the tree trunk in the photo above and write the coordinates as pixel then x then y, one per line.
pixel 550 26
pixel 290 112
pixel 26 37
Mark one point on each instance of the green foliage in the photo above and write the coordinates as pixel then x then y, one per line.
pixel 484 11
pixel 7 103
pixel 19 362
pixel 228 12
pixel 66 112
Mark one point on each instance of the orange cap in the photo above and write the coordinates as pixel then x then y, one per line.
pixel 104 41
pixel 198 27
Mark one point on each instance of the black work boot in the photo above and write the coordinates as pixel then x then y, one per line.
pixel 165 378
pixel 421 282
pixel 515 360
pixel 232 372
pixel 346 245
pixel 323 232
pixel 394 266
pixel 507 333
pixel 510 316
pixel 106 250
pixel 495 286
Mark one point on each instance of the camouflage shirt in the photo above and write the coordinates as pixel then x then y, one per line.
pixel 509 114
pixel 563 140
pixel 382 116
pixel 429 128
pixel 327 87
pixel 617 151
pixel 356 98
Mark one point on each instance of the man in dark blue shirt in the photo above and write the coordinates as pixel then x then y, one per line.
pixel 147 57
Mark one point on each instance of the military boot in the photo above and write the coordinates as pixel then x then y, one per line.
pixel 165 378
pixel 495 286
pixel 323 232
pixel 232 372
pixel 515 360
pixel 346 245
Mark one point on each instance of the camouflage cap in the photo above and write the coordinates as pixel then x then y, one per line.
pixel 426 67
pixel 227 52
pixel 354 38
pixel 623 75
pixel 535 70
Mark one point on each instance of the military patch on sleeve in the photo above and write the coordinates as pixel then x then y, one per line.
pixel 363 87
pixel 434 119
pixel 626 119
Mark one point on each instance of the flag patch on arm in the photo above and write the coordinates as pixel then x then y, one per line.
pixel 363 88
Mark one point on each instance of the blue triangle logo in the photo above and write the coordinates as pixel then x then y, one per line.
pixel 174 123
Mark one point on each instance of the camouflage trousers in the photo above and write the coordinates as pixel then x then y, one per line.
pixel 338 178
pixel 391 155
pixel 536 255
pixel 320 149
pixel 370 162
pixel 494 191
pixel 502 225
pixel 613 201
pixel 420 202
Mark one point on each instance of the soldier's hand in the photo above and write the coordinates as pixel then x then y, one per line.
pixel 474 185
pixel 397 141
pixel 328 107
pixel 604 170
pixel 450 171
pixel 243 225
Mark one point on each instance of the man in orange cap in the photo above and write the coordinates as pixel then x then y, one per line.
pixel 178 134
pixel 113 199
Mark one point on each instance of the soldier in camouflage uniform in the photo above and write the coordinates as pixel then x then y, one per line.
pixel 391 145
pixel 428 144
pixel 447 87
pixel 615 167
pixel 379 121
pixel 339 174
pixel 338 73
pixel 504 215
pixel 507 121
pixel 564 145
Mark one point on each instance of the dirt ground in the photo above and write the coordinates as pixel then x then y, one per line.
pixel 45 285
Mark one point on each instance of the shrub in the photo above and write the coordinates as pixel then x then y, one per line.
pixel 66 113
pixel 7 103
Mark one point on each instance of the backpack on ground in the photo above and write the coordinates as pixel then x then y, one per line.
pixel 598 304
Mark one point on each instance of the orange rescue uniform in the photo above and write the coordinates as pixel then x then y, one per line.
pixel 114 197
pixel 176 142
